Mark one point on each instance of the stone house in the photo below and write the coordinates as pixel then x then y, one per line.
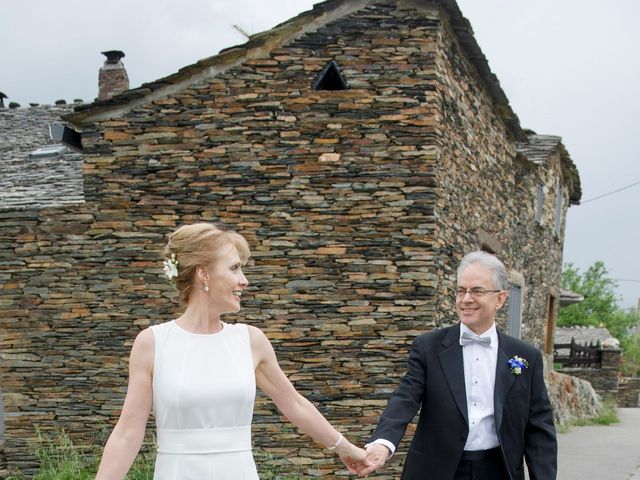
pixel 362 148
pixel 36 173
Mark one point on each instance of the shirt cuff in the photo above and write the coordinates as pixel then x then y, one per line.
pixel 386 443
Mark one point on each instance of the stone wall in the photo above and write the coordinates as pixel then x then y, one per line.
pixel 344 197
pixel 487 195
pixel 605 379
pixel 628 392
pixel 33 181
pixel 4 472
pixel 608 382
pixel 3 459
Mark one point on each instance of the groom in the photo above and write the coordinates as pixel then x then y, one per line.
pixel 482 399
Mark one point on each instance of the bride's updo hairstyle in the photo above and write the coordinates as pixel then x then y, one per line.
pixel 200 244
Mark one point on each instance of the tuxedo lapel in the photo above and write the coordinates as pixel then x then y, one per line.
pixel 504 379
pixel 452 365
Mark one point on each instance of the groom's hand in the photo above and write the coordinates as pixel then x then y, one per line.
pixel 354 458
pixel 377 455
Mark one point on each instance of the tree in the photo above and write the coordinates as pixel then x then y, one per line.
pixel 600 305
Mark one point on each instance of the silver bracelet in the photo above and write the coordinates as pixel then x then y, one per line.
pixel 335 445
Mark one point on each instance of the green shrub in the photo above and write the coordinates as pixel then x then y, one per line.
pixel 631 356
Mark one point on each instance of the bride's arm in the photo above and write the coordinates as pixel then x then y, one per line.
pixel 271 380
pixel 127 436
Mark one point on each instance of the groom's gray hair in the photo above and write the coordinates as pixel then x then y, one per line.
pixel 493 263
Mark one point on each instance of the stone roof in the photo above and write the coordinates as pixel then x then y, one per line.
pixel 28 181
pixel 582 335
pixel 539 148
pixel 261 44
pixel 568 297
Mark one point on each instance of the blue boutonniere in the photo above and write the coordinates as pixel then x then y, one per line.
pixel 517 364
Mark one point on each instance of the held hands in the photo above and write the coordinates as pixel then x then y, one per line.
pixel 377 455
pixel 362 462
pixel 354 458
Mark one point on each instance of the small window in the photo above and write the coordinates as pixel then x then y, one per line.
pixel 539 203
pixel 559 204
pixel 330 78
pixel 515 310
pixel 49 151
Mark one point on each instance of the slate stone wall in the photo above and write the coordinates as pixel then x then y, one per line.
pixel 628 392
pixel 357 205
pixel 605 379
pixel 35 181
pixel 488 194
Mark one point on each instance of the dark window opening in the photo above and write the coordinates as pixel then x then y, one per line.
pixel 330 78
pixel 66 135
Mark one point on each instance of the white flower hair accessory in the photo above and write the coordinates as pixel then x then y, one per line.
pixel 171 268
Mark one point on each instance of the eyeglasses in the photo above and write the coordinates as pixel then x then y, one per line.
pixel 475 292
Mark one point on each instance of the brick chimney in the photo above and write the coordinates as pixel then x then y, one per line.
pixel 113 77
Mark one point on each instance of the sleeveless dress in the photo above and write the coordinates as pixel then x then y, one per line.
pixel 204 389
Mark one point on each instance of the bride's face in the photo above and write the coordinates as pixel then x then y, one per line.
pixel 227 281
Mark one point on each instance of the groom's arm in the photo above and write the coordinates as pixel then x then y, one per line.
pixel 541 448
pixel 405 401
pixel 401 409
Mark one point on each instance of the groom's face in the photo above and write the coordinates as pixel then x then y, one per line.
pixel 478 312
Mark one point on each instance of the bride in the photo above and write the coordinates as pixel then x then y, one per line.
pixel 199 374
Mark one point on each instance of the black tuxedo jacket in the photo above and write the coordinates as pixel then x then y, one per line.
pixel 434 383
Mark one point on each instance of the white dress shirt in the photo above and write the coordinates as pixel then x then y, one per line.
pixel 479 380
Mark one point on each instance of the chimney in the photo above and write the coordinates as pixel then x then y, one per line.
pixel 113 77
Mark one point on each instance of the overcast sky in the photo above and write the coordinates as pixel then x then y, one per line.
pixel 569 68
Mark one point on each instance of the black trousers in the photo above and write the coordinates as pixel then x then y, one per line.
pixel 482 465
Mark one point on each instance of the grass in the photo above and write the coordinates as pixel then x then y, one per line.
pixel 269 468
pixel 61 459
pixel 608 415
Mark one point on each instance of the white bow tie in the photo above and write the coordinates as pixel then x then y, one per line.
pixel 468 339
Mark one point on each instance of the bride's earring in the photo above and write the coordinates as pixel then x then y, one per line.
pixel 205 287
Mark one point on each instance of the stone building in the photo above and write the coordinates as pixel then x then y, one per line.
pixel 362 148
pixel 36 173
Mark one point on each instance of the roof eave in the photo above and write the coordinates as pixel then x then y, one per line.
pixel 464 32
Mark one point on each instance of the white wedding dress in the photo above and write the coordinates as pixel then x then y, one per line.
pixel 204 389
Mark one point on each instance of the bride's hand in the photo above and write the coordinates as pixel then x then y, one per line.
pixel 354 458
